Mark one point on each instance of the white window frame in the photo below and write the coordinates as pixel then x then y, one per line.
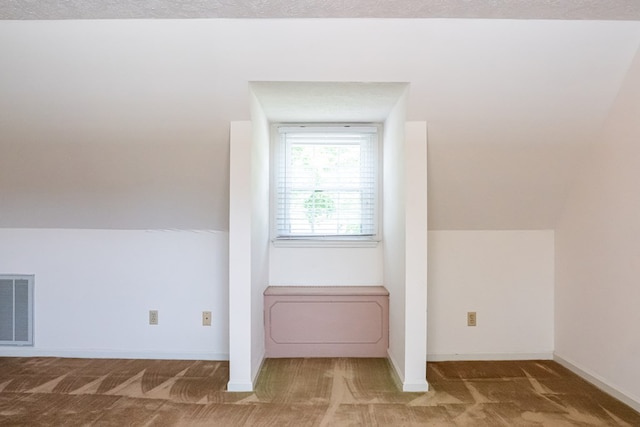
pixel 324 241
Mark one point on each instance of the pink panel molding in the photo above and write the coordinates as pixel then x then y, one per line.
pixel 326 321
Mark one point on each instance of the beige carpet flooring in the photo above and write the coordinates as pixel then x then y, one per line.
pixel 298 392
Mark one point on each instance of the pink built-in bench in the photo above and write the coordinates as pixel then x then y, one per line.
pixel 326 321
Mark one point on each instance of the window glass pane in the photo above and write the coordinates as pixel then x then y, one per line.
pixel 327 182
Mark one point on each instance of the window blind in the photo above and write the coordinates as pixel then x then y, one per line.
pixel 326 182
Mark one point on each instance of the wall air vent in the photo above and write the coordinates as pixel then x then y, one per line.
pixel 16 309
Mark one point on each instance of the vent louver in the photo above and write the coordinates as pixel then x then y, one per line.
pixel 16 310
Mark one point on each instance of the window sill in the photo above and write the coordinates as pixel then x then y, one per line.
pixel 322 243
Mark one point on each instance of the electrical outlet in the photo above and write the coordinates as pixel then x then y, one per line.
pixel 206 318
pixel 153 317
pixel 471 318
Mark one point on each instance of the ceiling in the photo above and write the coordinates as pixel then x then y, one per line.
pixel 169 9
pixel 327 102
pixel 511 108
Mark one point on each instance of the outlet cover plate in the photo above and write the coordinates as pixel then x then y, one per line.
pixel 471 318
pixel 206 318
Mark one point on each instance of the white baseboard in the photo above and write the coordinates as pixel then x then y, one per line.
pixel 399 375
pixel 599 382
pixel 109 354
pixel 239 386
pixel 257 363
pixel 488 356
pixel 418 386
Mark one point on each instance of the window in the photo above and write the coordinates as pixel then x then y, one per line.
pixel 326 182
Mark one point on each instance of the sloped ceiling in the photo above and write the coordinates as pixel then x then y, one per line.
pixel 168 9
pixel 510 105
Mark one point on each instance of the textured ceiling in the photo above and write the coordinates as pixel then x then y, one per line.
pixel 169 9
pixel 327 101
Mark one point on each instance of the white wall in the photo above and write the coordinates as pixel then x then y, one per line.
pixel 321 266
pixel 506 277
pixel 240 257
pixel 94 290
pixel 405 237
pixel 260 170
pixel 393 229
pixel 598 255
pixel 248 247
pixel 415 172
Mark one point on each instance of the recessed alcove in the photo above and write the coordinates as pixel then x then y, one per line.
pixel 397 262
